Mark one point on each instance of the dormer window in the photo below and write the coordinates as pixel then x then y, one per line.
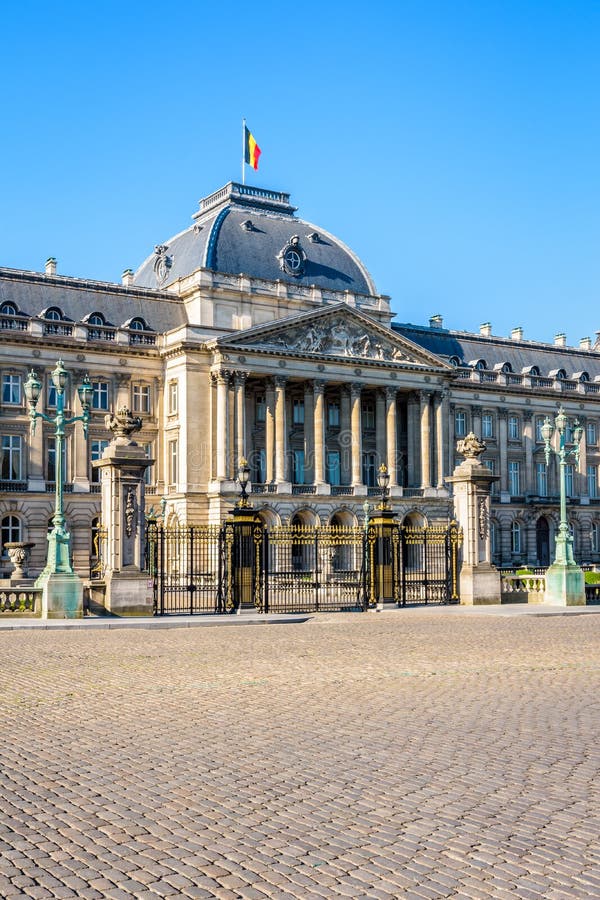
pixel 10 318
pixel 504 367
pixel 98 328
pixel 581 376
pixel 55 322
pixel 140 332
pixel 531 370
pixel 479 364
pixel 454 361
pixel 559 374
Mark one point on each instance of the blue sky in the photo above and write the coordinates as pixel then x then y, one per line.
pixel 455 146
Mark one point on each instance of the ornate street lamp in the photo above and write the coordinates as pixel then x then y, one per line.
pixel 58 562
pixel 564 579
pixel 243 479
pixel 383 480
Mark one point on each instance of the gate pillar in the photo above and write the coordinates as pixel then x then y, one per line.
pixel 383 540
pixel 244 553
pixel 479 578
pixel 127 591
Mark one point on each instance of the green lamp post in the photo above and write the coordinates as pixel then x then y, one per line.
pixel 565 584
pixel 61 586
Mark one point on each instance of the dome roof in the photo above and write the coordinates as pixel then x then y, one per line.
pixel 242 229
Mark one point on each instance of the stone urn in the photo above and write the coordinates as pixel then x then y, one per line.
pixel 18 552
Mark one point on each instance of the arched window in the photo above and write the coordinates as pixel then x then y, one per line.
pixel 454 361
pixel 140 331
pixel 55 322
pixel 96 319
pixel 10 530
pixel 53 314
pixel 8 309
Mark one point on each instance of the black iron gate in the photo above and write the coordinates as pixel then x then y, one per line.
pixel 300 568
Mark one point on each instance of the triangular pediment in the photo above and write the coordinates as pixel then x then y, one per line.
pixel 338 332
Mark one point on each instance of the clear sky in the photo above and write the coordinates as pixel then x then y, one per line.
pixel 455 146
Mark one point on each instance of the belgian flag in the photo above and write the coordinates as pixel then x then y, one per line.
pixel 251 149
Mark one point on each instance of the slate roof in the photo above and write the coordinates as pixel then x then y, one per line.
pixel 495 351
pixel 219 241
pixel 33 292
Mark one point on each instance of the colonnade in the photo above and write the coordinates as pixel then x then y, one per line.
pixel 410 434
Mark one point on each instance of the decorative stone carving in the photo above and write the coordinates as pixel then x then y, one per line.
pixel 483 518
pixel 471 447
pixel 162 263
pixel 18 552
pixel 336 337
pixel 130 507
pixel 122 424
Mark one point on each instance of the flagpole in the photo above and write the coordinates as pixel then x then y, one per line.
pixel 243 151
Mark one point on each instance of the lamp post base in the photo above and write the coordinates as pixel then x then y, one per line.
pixel 565 585
pixel 62 596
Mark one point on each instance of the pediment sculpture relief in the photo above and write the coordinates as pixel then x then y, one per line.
pixel 336 337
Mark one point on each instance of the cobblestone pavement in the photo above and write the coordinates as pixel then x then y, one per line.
pixel 375 755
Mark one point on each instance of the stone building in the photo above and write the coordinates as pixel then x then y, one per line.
pixel 256 334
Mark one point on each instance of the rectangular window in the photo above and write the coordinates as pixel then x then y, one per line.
pixel 368 416
pixel 298 466
pixel 333 414
pixel 11 389
pixel 541 479
pixel 173 398
pixel 595 537
pixel 539 422
pixel 491 465
pixel 333 467
pixel 99 395
pixel 260 466
pixel 51 395
pixel 514 431
pixel 173 462
pixel 569 479
pixel 460 423
pixel 97 448
pixel 11 460
pixel 369 472
pixel 515 537
pixel 592 481
pixel 141 398
pixel 51 459
pixel 591 434
pixel 149 472
pixel 487 425
pixel 298 411
pixel 514 479
pixel 260 408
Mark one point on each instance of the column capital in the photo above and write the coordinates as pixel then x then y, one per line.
pixel 527 415
pixel 356 389
pixel 318 386
pixel 220 376
pixel 240 378
pixel 280 381
pixel 391 393
pixel 424 396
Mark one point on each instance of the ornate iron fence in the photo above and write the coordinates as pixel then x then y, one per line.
pixel 300 568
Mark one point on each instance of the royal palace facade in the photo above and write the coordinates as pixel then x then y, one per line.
pixel 255 334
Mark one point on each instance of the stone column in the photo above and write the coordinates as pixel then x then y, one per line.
pixel 280 431
pixel 424 398
pixel 222 424
pixel 122 382
pixel 391 428
pixel 441 436
pixel 345 436
pixel 240 417
pixel 583 485
pixel 309 433
pixel 128 592
pixel 269 431
pixel 528 446
pixel 475 419
pixel 380 428
pixel 319 431
pixel 79 444
pixel 503 444
pixel 479 578
pixel 36 475
pixel 356 428
pixel 412 427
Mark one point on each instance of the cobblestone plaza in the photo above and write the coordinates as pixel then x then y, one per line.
pixel 424 753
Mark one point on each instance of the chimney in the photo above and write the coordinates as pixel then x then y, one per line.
pixel 436 321
pixel 51 265
pixel 585 343
pixel 127 277
pixel 516 334
pixel 485 330
pixel 560 339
